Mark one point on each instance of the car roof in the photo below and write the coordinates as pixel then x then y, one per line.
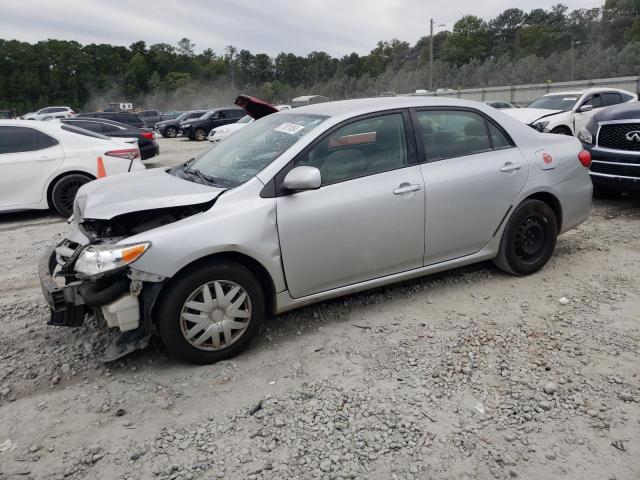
pixel 362 106
pixel 587 90
pixel 98 120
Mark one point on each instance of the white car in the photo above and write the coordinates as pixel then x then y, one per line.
pixel 50 113
pixel 568 112
pixel 220 133
pixel 43 164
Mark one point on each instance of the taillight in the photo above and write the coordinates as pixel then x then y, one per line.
pixel 128 153
pixel 148 135
pixel 72 112
pixel 585 158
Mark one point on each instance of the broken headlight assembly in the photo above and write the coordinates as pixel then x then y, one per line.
pixel 97 259
pixel 540 126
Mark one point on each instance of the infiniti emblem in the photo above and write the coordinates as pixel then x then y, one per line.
pixel 634 136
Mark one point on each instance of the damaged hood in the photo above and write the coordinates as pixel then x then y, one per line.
pixel 109 197
pixel 529 115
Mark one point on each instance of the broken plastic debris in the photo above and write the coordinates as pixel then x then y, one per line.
pixel 479 407
pixel 7 445
pixel 563 300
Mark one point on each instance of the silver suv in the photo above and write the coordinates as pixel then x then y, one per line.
pixel 310 204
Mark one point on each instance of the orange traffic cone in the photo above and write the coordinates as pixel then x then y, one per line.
pixel 101 171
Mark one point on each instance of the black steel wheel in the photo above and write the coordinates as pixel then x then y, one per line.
pixel 529 238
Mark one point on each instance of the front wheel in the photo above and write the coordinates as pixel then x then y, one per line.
pixel 529 239
pixel 200 135
pixel 63 192
pixel 170 132
pixel 212 313
pixel 561 131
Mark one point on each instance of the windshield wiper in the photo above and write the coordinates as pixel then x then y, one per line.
pixel 202 176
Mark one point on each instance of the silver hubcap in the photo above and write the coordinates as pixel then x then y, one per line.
pixel 215 315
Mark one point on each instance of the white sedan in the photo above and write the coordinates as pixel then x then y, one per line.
pixel 43 164
pixel 568 112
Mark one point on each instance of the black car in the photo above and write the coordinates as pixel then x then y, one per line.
pixel 8 114
pixel 170 114
pixel 169 128
pixel 121 117
pixel 151 117
pixel 612 136
pixel 147 143
pixel 199 129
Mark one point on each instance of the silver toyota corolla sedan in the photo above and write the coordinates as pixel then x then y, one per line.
pixel 309 204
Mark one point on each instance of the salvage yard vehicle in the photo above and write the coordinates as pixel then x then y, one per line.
pixel 43 164
pixel 259 108
pixel 567 113
pixel 7 114
pixel 147 142
pixel 123 117
pixel 612 136
pixel 306 205
pixel 50 113
pixel 199 128
pixel 169 128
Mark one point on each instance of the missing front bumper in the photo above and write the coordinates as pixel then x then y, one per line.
pixel 71 302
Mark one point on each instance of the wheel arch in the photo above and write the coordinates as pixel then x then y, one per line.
pixel 566 128
pixel 254 266
pixel 53 181
pixel 551 200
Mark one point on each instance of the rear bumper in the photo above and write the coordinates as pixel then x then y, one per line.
pixel 149 149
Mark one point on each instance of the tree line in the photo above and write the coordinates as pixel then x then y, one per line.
pixel 512 48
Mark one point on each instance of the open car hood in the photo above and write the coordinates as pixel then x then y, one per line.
pixel 529 115
pixel 255 107
pixel 152 189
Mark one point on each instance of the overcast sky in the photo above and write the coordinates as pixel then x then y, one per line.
pixel 261 26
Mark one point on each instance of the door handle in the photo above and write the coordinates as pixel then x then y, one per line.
pixel 407 189
pixel 510 167
pixel 43 158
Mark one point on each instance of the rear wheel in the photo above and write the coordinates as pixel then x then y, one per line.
pixel 64 190
pixel 200 134
pixel 529 239
pixel 171 132
pixel 212 313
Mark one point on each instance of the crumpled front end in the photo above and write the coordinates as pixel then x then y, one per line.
pixel 121 298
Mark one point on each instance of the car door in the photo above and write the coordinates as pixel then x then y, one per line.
pixel 367 218
pixel 580 119
pixel 28 158
pixel 472 173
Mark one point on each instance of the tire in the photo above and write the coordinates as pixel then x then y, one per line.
pixel 63 192
pixel 170 132
pixel 187 316
pixel 529 239
pixel 605 193
pixel 561 131
pixel 200 134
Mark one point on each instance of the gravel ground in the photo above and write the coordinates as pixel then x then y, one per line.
pixel 467 374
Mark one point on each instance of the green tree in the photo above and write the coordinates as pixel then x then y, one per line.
pixel 469 40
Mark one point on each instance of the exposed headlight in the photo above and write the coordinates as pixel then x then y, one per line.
pixel 540 126
pixel 223 130
pixel 585 136
pixel 97 259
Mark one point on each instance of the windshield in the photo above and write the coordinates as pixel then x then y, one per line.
pixel 241 156
pixel 245 119
pixel 555 102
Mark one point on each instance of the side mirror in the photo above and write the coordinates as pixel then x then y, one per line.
pixel 585 108
pixel 302 178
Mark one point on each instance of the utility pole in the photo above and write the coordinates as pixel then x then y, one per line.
pixel 431 56
pixel 573 59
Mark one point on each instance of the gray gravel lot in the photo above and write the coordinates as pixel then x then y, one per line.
pixel 467 374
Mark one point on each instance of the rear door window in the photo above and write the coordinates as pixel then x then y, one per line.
pixel 17 139
pixel 447 134
pixel 611 98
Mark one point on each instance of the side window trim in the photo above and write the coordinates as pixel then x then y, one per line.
pixel 422 154
pixel 274 186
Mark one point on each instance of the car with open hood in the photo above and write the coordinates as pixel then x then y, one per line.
pixel 310 204
pixel 218 134
pixel 199 128
pixel 567 113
